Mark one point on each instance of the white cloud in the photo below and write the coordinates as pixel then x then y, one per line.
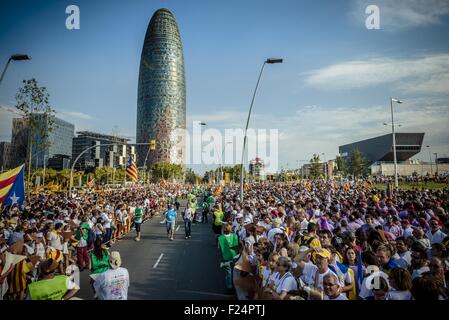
pixel 68 115
pixel 399 15
pixel 428 74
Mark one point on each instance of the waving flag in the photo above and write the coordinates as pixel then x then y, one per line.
pixel 131 169
pixel 12 186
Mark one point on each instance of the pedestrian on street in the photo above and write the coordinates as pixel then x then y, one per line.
pixel 188 217
pixel 170 217
pixel 138 214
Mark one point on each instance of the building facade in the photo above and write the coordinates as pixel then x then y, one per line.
pixel 161 102
pixel 380 149
pixel 6 155
pixel 257 169
pixel 115 154
pixel 48 139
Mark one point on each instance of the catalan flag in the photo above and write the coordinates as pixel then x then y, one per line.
pixel 131 169
pixel 12 186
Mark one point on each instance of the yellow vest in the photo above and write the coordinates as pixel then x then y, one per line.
pixel 50 289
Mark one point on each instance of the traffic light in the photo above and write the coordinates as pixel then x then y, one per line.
pixel 152 144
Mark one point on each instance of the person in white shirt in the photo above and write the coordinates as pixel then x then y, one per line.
pixel 114 283
pixel 405 256
pixel 285 282
pixel 419 261
pixel 435 235
pixel 313 274
pixel 332 288
pixel 275 230
pixel 400 282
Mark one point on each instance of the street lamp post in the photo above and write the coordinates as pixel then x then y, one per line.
pixel 269 61
pixel 394 142
pixel 45 165
pixel 14 57
pixel 430 160
pixel 436 163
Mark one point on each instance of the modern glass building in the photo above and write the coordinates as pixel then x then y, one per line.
pixel 161 103
pixel 57 141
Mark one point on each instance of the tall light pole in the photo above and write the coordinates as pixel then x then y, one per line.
pixel 45 165
pixel 436 163
pixel 430 160
pixel 269 61
pixel 14 57
pixel 394 142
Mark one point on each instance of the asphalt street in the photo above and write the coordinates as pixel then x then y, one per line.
pixel 161 269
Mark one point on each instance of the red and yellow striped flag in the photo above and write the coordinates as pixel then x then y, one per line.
pixel 131 169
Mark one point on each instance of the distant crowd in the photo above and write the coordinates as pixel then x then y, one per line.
pixel 320 240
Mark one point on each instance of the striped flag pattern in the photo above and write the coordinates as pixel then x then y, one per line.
pixel 10 181
pixel 131 169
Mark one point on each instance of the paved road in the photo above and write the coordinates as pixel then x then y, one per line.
pixel 187 269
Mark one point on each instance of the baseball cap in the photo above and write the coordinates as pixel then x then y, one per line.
pixel 324 253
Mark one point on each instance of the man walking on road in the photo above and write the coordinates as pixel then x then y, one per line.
pixel 138 214
pixel 170 217
pixel 188 217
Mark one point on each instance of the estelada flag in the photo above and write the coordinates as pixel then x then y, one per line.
pixel 131 169
pixel 12 186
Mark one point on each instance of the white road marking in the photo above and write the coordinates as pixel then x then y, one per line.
pixel 158 260
pixel 177 228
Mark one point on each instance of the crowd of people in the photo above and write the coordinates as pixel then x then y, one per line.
pixel 50 236
pixel 309 240
pixel 319 240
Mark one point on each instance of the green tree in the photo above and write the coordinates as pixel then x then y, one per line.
pixel 164 170
pixel 33 102
pixel 342 165
pixel 358 165
pixel 316 168
pixel 191 177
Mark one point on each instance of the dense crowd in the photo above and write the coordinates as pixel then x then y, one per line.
pixel 50 236
pixel 319 239
pixel 311 240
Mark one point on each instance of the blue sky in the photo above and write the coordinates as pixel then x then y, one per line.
pixel 333 87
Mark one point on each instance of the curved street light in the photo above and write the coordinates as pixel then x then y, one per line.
pixel 269 61
pixel 14 57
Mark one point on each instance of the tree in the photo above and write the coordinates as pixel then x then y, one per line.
pixel 358 165
pixel 191 176
pixel 342 165
pixel 33 102
pixel 165 170
pixel 316 168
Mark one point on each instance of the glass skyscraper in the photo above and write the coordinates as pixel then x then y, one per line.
pixel 161 103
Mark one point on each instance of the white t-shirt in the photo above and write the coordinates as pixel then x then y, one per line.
pixel 309 274
pixel 418 272
pixel 399 295
pixel 106 219
pixel 339 297
pixel 368 283
pixel 437 237
pixel 55 240
pixel 112 284
pixel 285 283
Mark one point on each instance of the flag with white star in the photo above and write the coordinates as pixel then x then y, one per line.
pixel 12 186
